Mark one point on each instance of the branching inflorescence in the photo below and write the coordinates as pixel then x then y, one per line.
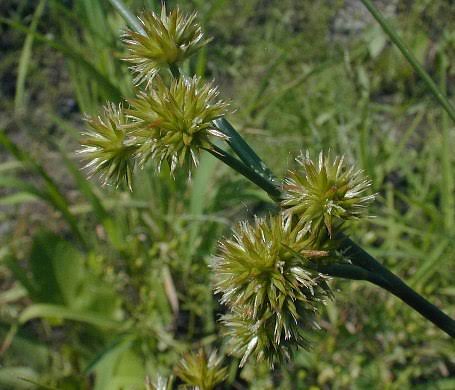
pixel 273 273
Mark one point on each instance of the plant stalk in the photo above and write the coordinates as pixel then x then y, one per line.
pixel 382 277
pixel 272 190
pixel 242 149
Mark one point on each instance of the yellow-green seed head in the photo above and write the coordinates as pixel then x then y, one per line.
pixel 201 372
pixel 161 383
pixel 106 147
pixel 249 337
pixel 322 195
pixel 173 123
pixel 265 273
pixel 167 39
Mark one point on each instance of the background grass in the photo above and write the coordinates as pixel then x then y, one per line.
pixel 99 288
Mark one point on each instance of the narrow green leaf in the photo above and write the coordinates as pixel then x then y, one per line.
pixel 404 49
pixel 18 198
pixel 52 194
pixel 64 313
pixel 72 54
pixel 24 60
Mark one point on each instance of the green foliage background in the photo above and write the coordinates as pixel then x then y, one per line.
pixel 100 288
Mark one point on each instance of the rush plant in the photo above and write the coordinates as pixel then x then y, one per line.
pixel 274 273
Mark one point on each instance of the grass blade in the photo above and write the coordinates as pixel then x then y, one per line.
pixel 123 10
pixel 24 61
pixel 404 49
pixel 43 310
pixel 52 193
pixel 72 54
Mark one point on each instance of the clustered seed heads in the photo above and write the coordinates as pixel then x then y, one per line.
pixel 267 273
pixel 266 276
pixel 201 372
pixel 166 40
pixel 173 123
pixel 168 121
pixel 325 194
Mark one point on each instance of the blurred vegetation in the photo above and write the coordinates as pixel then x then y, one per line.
pixel 101 288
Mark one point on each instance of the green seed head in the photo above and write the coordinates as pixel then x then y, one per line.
pixel 173 123
pixel 265 276
pixel 167 40
pixel 201 372
pixel 161 383
pixel 106 148
pixel 322 195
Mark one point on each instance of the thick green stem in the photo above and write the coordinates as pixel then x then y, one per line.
pixel 174 70
pixel 390 31
pixel 269 187
pixel 382 277
pixel 242 149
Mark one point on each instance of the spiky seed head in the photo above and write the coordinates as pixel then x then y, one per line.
pixel 324 194
pixel 106 146
pixel 257 338
pixel 173 123
pixel 167 39
pixel 201 372
pixel 266 271
pixel 161 383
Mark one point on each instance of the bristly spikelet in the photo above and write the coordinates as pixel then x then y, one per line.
pixel 161 383
pixel 249 337
pixel 322 195
pixel 173 123
pixel 166 40
pixel 200 372
pixel 266 273
pixel 106 147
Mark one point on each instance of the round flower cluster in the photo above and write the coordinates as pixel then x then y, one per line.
pixel 201 371
pixel 323 195
pixel 267 276
pixel 170 120
pixel 166 40
pixel 106 146
pixel 173 123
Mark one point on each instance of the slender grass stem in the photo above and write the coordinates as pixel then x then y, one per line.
pixel 395 38
pixel 132 20
pixel 447 200
pixel 24 62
